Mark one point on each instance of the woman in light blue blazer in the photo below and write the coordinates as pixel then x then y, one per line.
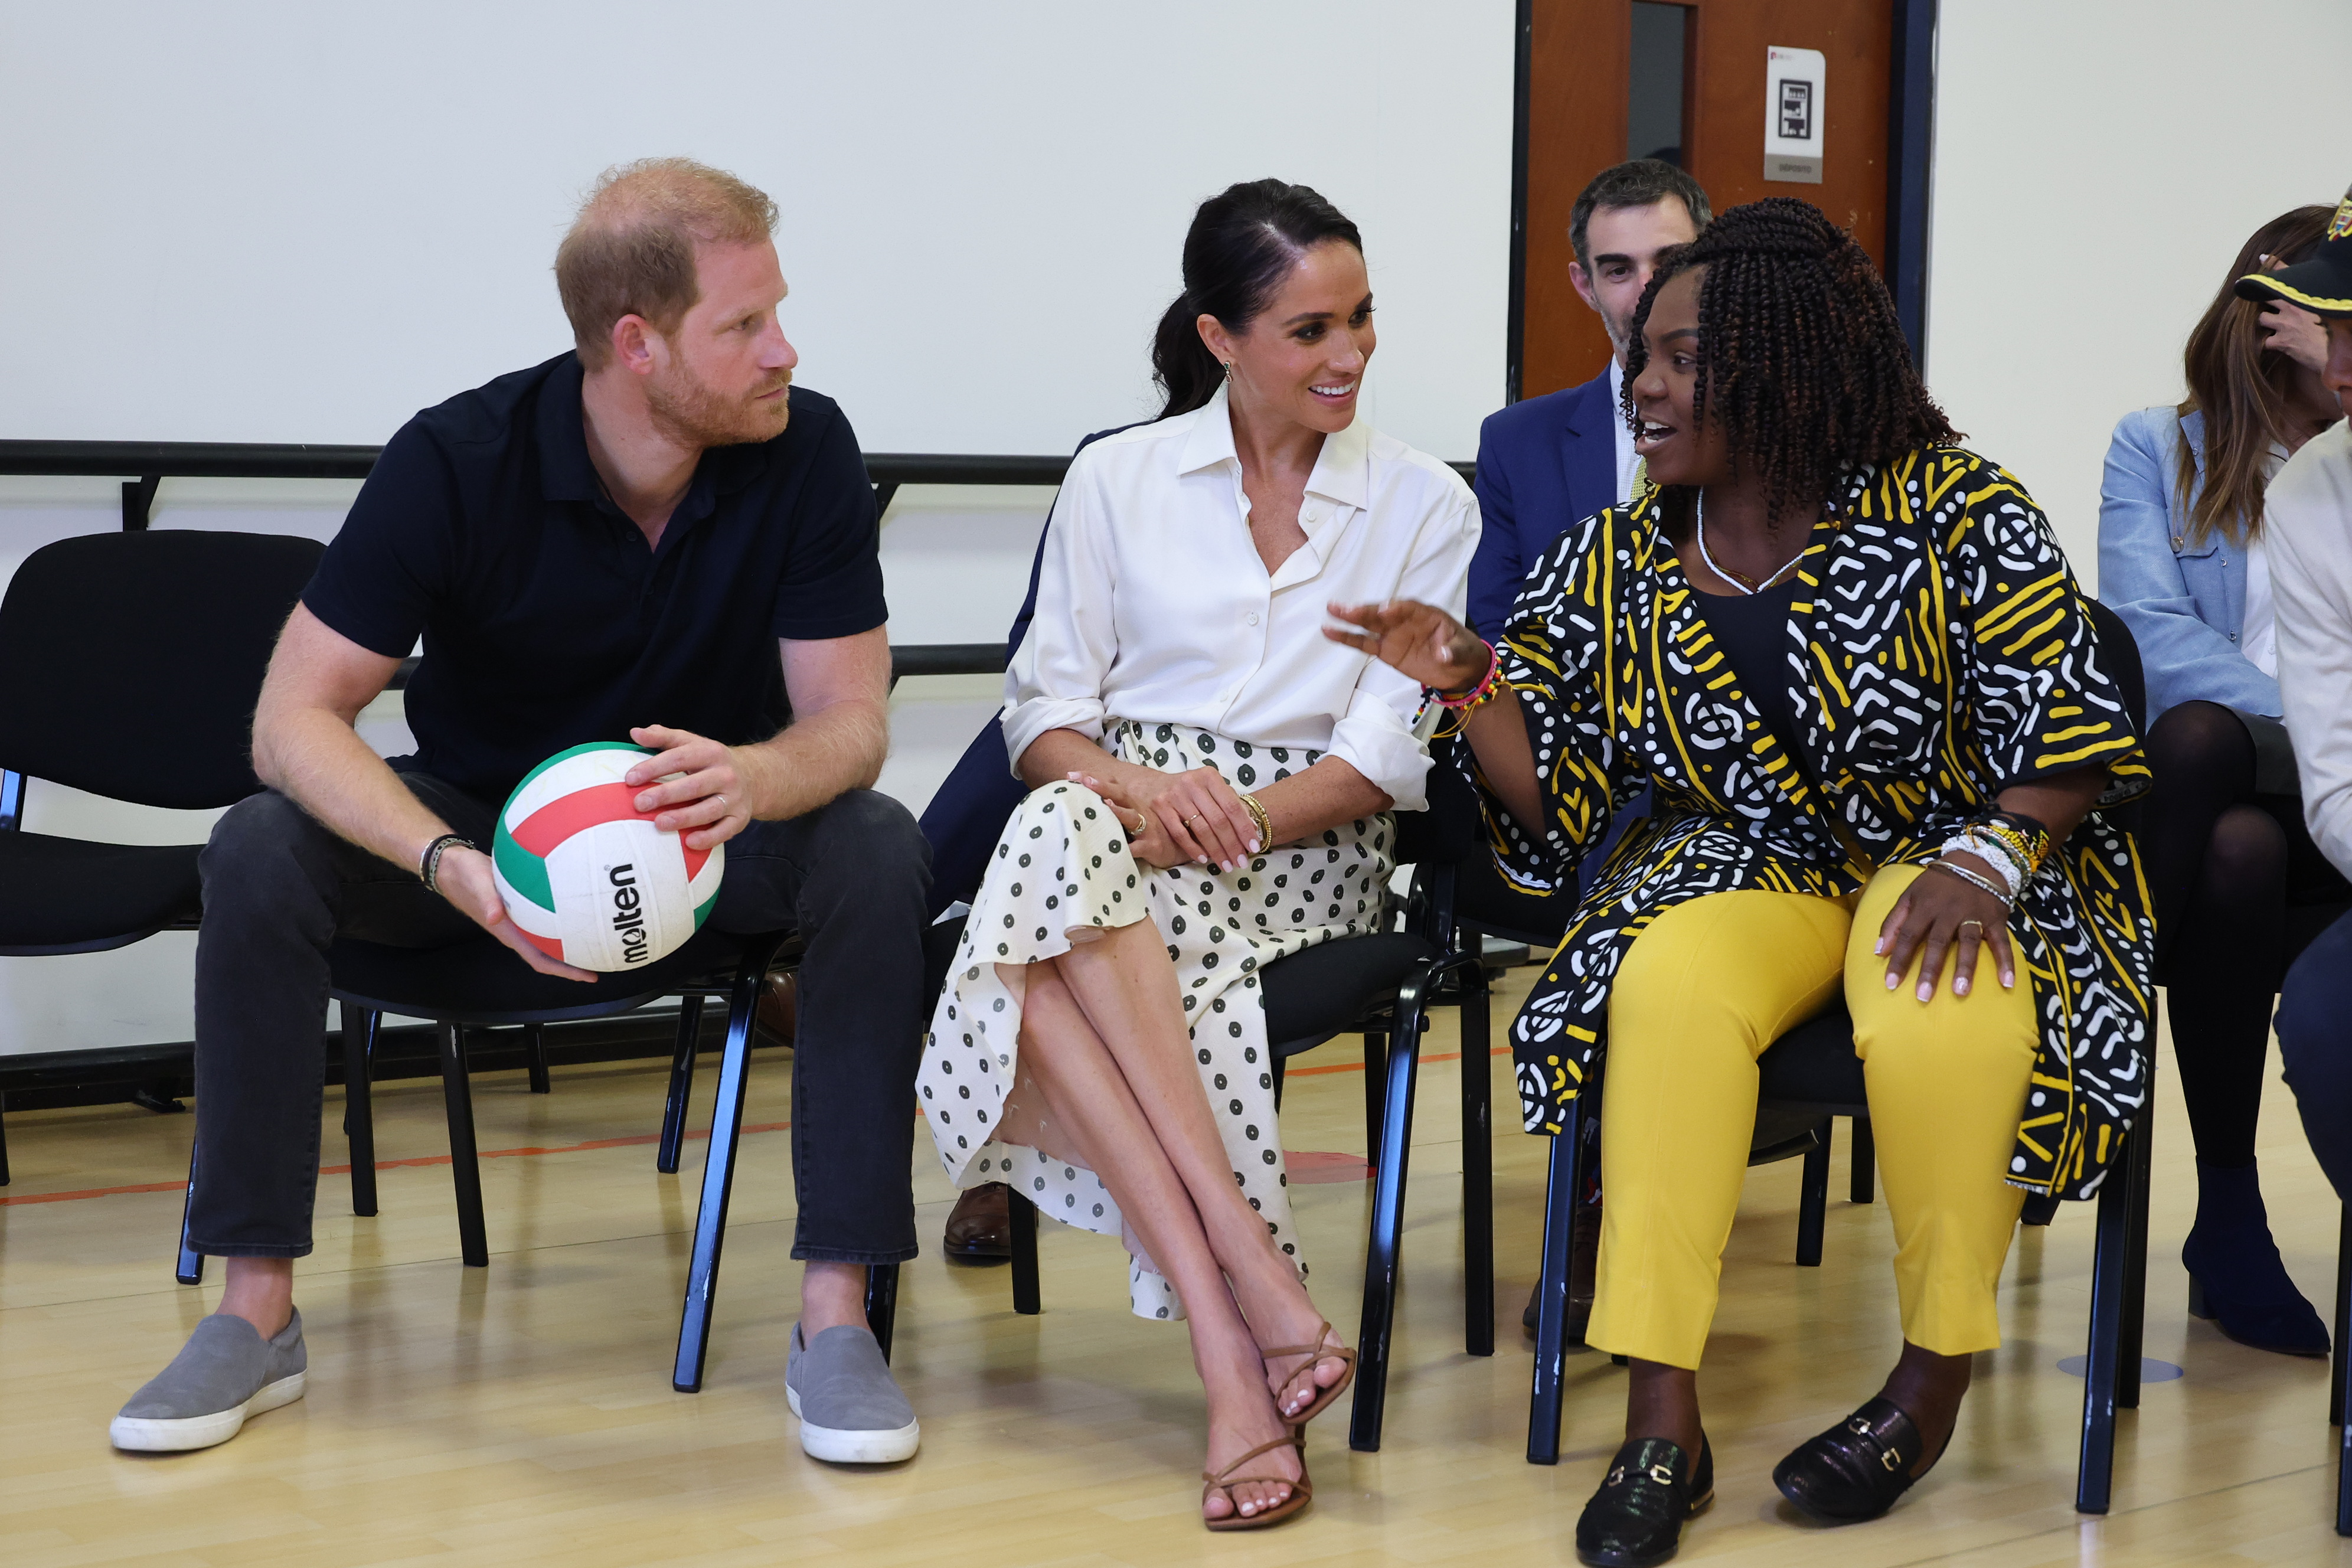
pixel 2222 839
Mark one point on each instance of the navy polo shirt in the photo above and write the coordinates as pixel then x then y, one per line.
pixel 547 620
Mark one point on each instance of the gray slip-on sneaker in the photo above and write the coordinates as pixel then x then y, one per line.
pixel 225 1372
pixel 850 1408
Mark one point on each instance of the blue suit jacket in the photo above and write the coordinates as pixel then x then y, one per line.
pixel 1542 465
pixel 2185 603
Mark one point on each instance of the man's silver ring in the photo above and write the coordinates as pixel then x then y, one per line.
pixel 722 803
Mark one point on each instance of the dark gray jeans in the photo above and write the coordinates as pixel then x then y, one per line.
pixel 852 877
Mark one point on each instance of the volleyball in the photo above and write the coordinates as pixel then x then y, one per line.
pixel 587 878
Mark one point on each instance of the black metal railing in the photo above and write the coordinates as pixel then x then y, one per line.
pixel 144 466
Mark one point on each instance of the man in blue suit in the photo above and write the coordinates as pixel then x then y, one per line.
pixel 1557 459
pixel 1546 463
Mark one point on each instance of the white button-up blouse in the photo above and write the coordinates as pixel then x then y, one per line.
pixel 1152 604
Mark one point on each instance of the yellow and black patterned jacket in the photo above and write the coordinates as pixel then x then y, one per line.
pixel 1938 653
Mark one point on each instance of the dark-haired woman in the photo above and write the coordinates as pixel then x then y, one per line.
pixel 1212 783
pixel 1851 660
pixel 2181 560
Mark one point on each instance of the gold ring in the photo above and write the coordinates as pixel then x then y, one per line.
pixel 1979 924
pixel 1193 819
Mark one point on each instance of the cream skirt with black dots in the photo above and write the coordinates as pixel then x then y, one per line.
pixel 1063 865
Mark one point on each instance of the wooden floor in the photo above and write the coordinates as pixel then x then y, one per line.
pixel 523 1414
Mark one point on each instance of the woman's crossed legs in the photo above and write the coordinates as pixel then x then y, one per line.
pixel 1104 1039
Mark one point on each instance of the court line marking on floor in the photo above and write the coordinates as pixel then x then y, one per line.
pixel 635 1141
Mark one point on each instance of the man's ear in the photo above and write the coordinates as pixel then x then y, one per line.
pixel 1583 283
pixel 633 348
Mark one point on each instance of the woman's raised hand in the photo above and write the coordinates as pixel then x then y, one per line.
pixel 1420 640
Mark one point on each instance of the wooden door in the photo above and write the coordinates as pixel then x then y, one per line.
pixel 1581 57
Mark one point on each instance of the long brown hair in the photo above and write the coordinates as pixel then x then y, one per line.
pixel 2241 386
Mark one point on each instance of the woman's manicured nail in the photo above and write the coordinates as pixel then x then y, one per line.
pixel 1959 987
pixel 1927 991
pixel 1893 980
pixel 2009 982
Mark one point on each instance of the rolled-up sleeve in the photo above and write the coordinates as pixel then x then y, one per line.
pixel 1054 681
pixel 1375 735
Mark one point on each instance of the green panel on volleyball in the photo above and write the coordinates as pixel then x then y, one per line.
pixel 588 877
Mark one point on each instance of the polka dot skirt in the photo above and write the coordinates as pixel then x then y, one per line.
pixel 1063 865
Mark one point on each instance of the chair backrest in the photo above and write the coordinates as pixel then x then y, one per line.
pixel 130 663
pixel 2120 653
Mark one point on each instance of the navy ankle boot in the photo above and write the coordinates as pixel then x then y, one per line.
pixel 2235 1274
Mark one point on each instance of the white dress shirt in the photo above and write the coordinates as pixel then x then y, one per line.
pixel 1153 605
pixel 1629 462
pixel 2307 535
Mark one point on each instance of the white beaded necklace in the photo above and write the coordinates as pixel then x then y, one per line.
pixel 1745 584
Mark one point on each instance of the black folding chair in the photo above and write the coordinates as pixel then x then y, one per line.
pixel 133 662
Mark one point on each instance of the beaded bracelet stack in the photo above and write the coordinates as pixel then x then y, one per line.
pixel 1462 704
pixel 2013 844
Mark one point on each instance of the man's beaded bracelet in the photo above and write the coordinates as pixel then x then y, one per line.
pixel 428 864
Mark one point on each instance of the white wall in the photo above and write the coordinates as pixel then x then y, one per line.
pixel 263 221
pixel 2097 165
pixel 288 222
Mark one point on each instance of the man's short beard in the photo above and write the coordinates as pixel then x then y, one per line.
pixel 1616 329
pixel 685 408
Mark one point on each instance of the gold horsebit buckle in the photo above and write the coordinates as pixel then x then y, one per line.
pixel 1658 1473
pixel 1888 1459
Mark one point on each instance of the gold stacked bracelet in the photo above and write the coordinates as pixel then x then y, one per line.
pixel 1256 809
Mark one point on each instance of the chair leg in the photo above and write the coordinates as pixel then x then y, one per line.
pixel 1376 1092
pixel 465 1163
pixel 718 1175
pixel 2095 1469
pixel 2340 1366
pixel 1026 1298
pixel 360 1026
pixel 1387 1239
pixel 2343 1378
pixel 1477 1170
pixel 1813 1197
pixel 681 1086
pixel 1864 1163
pixel 2140 1153
pixel 1563 1187
pixel 534 1044
pixel 882 1302
pixel 190 1268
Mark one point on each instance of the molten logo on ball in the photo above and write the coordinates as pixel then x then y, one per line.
pixel 588 877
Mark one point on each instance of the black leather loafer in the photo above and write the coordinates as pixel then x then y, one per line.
pixel 1855 1471
pixel 1637 1518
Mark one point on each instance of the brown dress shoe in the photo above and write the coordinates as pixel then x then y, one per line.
pixel 777 1017
pixel 979 1229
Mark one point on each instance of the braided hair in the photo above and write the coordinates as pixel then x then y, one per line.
pixel 1800 355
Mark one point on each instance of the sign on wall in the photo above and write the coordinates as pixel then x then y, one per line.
pixel 1794 112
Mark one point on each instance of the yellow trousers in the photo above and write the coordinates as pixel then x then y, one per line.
pixel 1702 993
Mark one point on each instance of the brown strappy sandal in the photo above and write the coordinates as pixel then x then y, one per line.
pixel 1319 1353
pixel 1302 1490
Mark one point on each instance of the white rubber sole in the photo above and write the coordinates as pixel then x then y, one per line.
pixel 841 1448
pixel 153 1435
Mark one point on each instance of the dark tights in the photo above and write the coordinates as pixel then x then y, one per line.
pixel 2221 862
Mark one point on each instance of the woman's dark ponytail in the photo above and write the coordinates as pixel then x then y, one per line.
pixel 1241 242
